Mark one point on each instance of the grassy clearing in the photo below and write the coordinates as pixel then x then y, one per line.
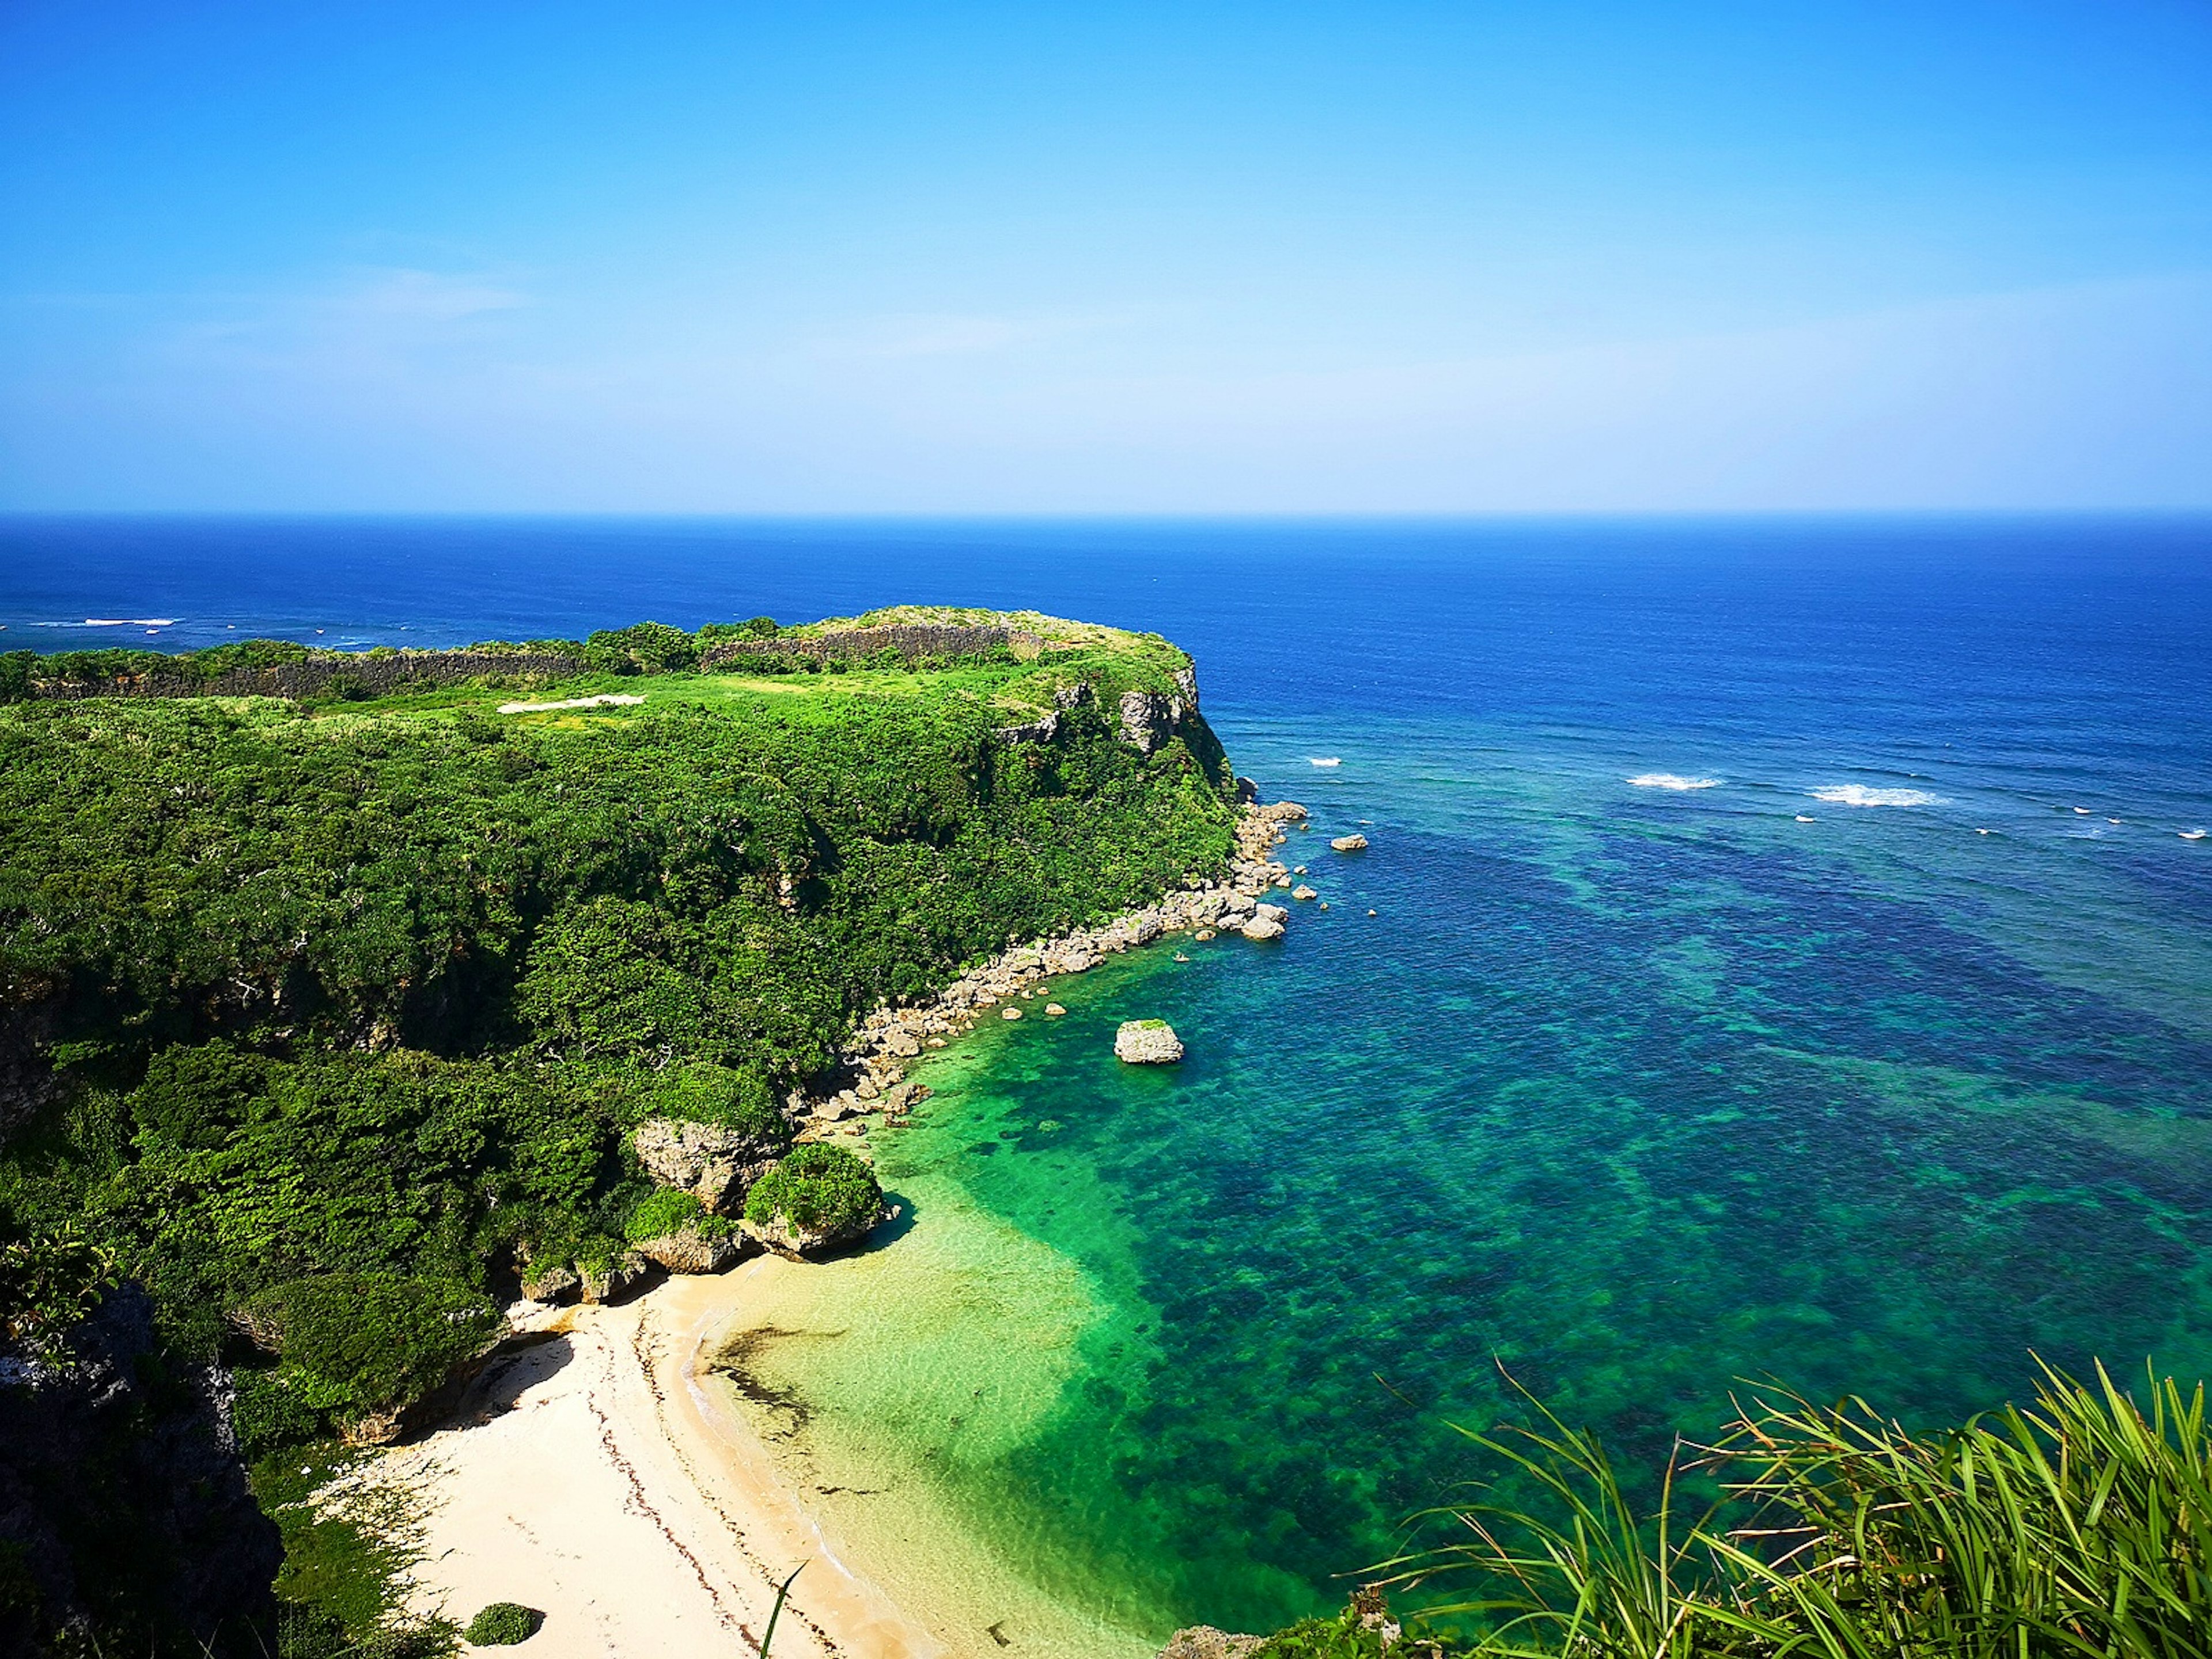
pixel 349 1543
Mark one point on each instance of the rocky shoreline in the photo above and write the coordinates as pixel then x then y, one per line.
pixel 870 1072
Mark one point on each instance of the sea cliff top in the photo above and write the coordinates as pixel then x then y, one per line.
pixel 1021 662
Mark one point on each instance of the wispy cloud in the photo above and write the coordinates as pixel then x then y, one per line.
pixel 952 335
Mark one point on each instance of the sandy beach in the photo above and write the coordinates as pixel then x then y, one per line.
pixel 597 1477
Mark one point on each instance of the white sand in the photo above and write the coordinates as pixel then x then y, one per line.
pixel 608 700
pixel 597 1477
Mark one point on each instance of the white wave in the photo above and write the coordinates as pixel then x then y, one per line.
pixel 1806 817
pixel 1672 780
pixel 128 622
pixel 1324 760
pixel 2191 835
pixel 1857 795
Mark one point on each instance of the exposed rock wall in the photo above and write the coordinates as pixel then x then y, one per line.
pixel 844 644
pixel 125 1516
pixel 376 676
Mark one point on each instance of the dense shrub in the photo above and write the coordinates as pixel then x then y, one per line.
pixel 382 992
pixel 47 1284
pixel 734 1099
pixel 647 647
pixel 1343 1637
pixel 266 1412
pixel 664 1211
pixel 354 1343
pixel 819 1188
pixel 502 1624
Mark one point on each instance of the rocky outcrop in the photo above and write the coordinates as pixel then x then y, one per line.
pixel 786 1237
pixel 606 1281
pixel 1149 718
pixel 878 1053
pixel 1204 1642
pixel 1147 1043
pixel 125 1516
pixel 716 1165
pixel 1354 842
pixel 692 1250
pixel 550 1281
pixel 909 639
pixel 366 673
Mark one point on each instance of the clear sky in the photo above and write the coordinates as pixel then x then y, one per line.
pixel 1105 258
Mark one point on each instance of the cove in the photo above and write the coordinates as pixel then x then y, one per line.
pixel 1632 1091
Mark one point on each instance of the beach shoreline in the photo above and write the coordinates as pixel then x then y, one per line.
pixel 596 1476
pixel 599 1472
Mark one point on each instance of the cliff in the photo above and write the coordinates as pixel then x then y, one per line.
pixel 125 1525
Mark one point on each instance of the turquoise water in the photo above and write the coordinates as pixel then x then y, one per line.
pixel 1633 1090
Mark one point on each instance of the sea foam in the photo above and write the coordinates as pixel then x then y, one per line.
pixel 1672 780
pixel 1857 795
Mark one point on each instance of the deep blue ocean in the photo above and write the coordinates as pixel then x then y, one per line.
pixel 1791 957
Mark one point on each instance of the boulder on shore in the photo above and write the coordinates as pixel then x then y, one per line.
pixel 1147 1043
pixel 716 1165
pixel 1262 928
pixel 691 1250
pixel 606 1280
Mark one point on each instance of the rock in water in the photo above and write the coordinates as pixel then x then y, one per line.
pixel 1303 893
pixel 1147 1043
pixel 1262 928
pixel 1352 844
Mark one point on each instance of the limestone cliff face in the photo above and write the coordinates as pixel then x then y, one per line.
pixel 125 1516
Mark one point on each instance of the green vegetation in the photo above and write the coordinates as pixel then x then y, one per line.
pixel 664 1211
pixel 47 1284
pixel 819 1189
pixel 323 1018
pixel 349 1543
pixel 1344 1636
pixel 502 1624
pixel 357 1344
pixel 737 1101
pixel 351 1004
pixel 2079 1526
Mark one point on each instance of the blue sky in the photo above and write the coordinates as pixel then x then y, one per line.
pixel 1188 257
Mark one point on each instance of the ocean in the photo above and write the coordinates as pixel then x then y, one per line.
pixel 1782 953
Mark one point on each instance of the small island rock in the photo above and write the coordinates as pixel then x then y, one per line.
pixel 1302 892
pixel 1147 1043
pixel 1354 842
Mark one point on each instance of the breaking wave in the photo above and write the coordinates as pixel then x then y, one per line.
pixel 1672 780
pixel 1857 795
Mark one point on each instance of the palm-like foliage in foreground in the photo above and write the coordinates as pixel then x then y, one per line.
pixel 2079 1526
